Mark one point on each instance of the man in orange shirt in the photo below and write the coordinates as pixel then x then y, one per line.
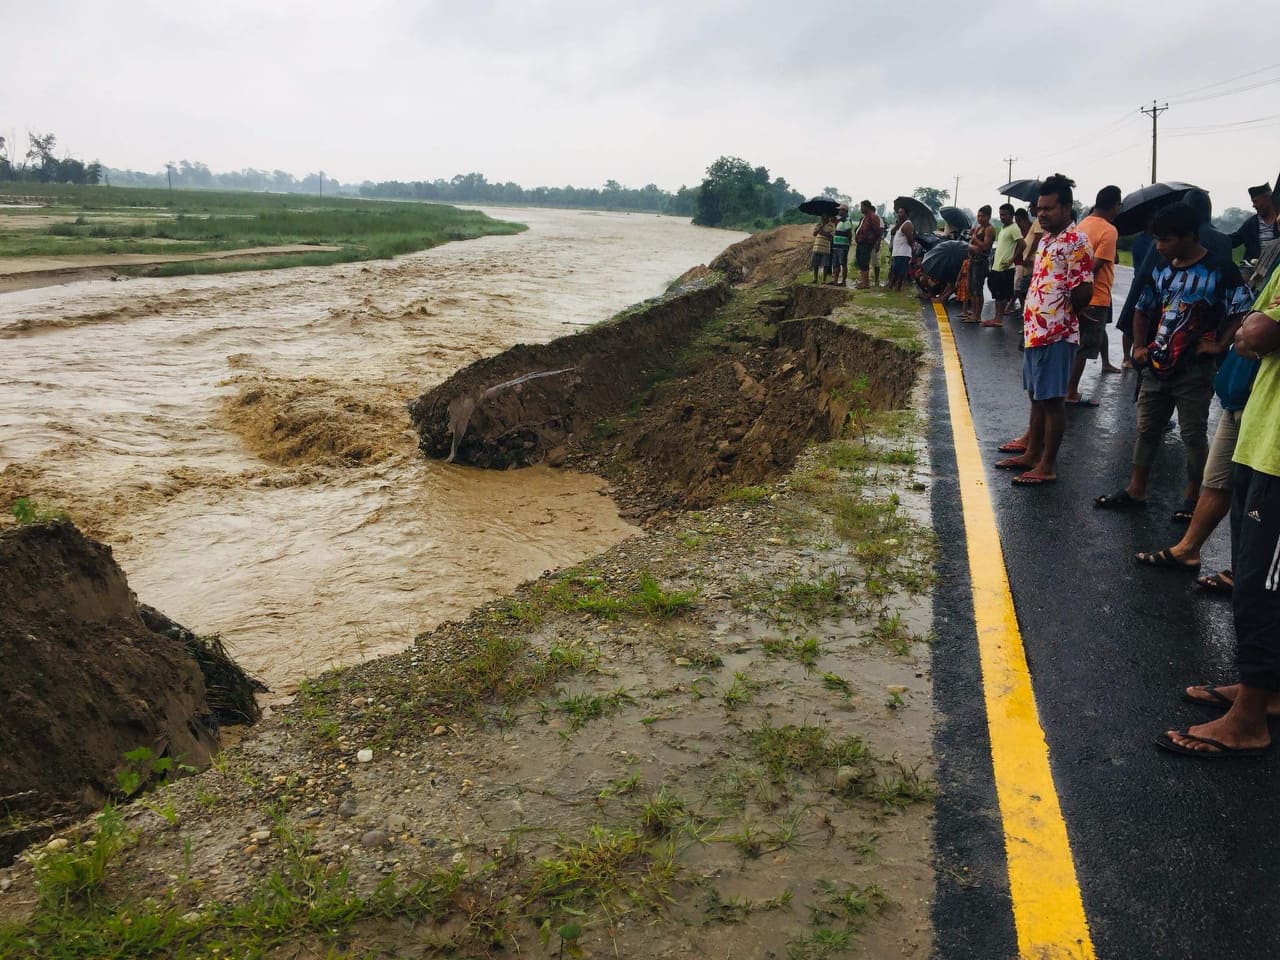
pixel 1094 318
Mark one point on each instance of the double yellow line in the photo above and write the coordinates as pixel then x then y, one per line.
pixel 1047 910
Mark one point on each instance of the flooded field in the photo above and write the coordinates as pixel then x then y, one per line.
pixel 241 440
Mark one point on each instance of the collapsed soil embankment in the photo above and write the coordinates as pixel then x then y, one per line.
pixel 703 390
pixel 89 675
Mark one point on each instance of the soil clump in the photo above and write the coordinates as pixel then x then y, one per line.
pixel 90 675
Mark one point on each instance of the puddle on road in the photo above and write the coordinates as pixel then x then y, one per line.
pixel 241 440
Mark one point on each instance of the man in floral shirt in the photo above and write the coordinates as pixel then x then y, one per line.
pixel 1061 285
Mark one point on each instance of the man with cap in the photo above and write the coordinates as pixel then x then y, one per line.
pixel 1261 227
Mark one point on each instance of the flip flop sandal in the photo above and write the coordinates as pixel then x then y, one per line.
pixel 1030 480
pixel 1215 700
pixel 1012 463
pixel 1220 752
pixel 1013 446
pixel 1217 583
pixel 1184 513
pixel 1120 500
pixel 1082 402
pixel 1165 560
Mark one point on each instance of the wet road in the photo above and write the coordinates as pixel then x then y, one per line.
pixel 1175 858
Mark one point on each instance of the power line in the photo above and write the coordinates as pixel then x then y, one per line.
pixel 1219 83
pixel 1256 85
pixel 1210 127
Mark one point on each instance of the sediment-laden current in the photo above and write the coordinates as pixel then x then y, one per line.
pixel 241 440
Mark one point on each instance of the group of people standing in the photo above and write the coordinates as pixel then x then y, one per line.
pixel 832 239
pixel 1194 328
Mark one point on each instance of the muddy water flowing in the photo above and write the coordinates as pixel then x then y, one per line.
pixel 241 440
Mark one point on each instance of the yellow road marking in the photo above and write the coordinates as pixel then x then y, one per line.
pixel 1047 909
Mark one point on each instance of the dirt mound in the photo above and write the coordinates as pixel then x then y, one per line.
pixel 313 422
pixel 523 404
pixel 739 418
pixel 778 254
pixel 85 680
pixel 728 397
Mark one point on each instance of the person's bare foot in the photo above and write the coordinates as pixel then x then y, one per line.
pixel 1226 731
pixel 1110 368
pixel 1072 397
pixel 1224 695
pixel 1127 364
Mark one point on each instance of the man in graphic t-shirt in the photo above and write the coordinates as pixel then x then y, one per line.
pixel 1182 325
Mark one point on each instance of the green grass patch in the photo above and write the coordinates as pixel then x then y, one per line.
pixel 112 220
pixel 805 749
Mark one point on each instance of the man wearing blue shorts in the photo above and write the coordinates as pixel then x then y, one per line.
pixel 1061 286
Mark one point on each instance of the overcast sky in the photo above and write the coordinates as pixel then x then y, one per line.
pixel 874 97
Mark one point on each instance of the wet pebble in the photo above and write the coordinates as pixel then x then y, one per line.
pixel 348 807
pixel 375 838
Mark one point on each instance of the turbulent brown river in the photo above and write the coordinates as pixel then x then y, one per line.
pixel 206 428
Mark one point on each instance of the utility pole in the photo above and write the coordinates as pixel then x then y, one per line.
pixel 1153 112
pixel 955 196
pixel 322 183
pixel 1010 161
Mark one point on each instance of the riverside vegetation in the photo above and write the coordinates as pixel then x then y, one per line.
pixel 711 738
pixel 63 219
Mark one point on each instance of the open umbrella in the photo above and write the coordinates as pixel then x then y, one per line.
pixel 957 218
pixel 1138 207
pixel 1025 190
pixel 943 262
pixel 819 206
pixel 921 217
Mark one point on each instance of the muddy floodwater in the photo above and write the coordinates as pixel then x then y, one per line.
pixel 242 443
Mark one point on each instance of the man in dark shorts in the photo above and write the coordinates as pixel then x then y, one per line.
pixel 981 238
pixel 1000 280
pixel 840 241
pixel 1181 326
pixel 1061 284
pixel 870 231
pixel 900 240
pixel 1095 317
pixel 1255 548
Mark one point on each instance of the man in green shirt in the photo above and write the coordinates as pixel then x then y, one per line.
pixel 1000 280
pixel 1255 549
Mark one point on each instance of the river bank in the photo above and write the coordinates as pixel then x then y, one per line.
pixel 709 740
pixel 241 443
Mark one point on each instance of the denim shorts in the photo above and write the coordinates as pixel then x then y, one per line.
pixel 839 255
pixel 1046 370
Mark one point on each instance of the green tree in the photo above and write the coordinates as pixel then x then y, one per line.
pixel 932 197
pixel 1229 220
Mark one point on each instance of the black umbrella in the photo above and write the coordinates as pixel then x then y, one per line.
pixel 929 240
pixel 921 217
pixel 956 217
pixel 819 206
pixel 1139 206
pixel 943 262
pixel 1028 191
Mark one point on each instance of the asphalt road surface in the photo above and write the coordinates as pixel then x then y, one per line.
pixel 1175 857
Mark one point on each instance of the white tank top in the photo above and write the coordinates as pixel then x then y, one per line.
pixel 901 245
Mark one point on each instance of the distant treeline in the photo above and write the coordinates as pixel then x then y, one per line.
pixel 197 176
pixel 39 165
pixel 476 188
